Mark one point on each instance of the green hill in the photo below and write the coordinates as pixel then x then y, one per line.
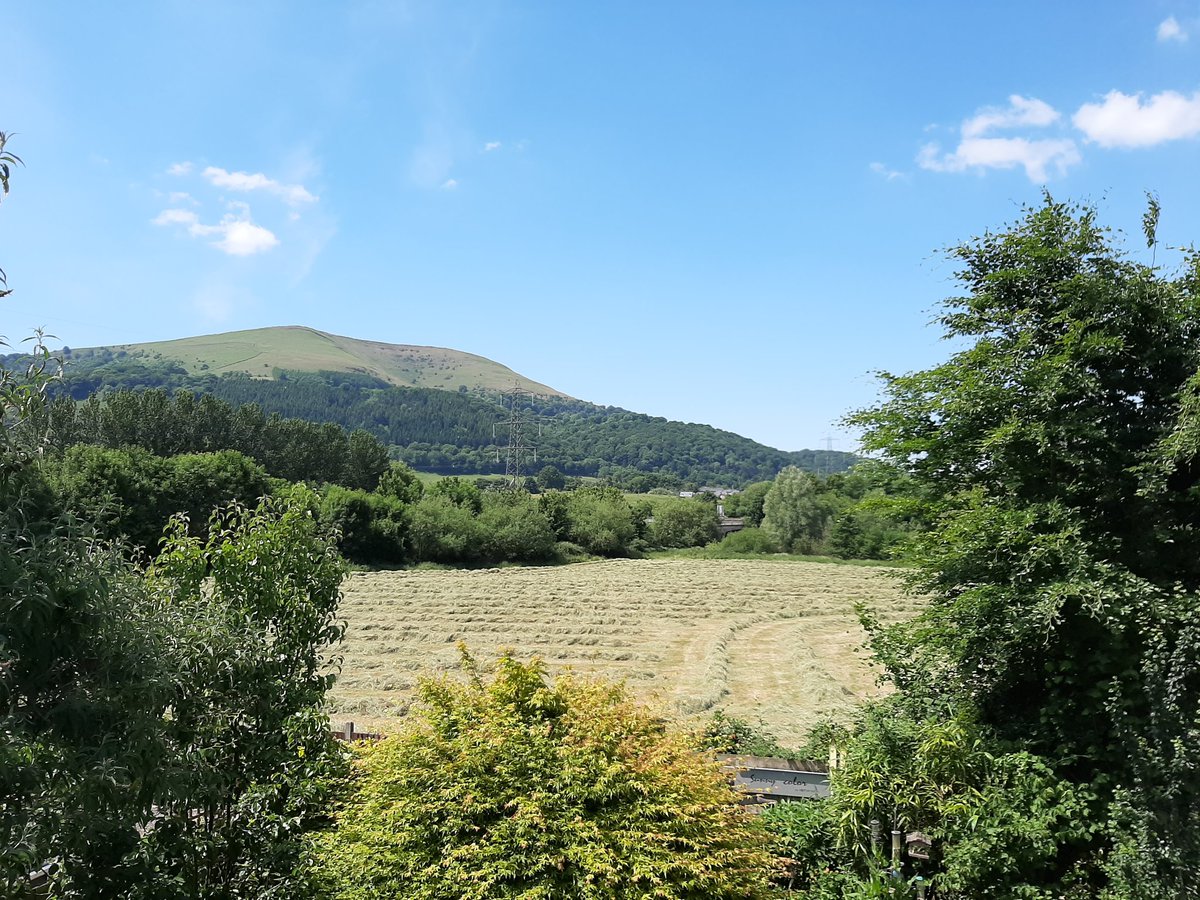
pixel 261 352
pixel 435 409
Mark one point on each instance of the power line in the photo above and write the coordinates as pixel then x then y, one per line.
pixel 519 402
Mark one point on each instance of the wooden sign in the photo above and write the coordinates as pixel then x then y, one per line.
pixel 769 778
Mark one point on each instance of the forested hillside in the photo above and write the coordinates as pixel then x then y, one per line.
pixel 454 431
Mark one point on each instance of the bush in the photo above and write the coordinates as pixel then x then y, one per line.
pixel 514 530
pixel 120 492
pixel 372 528
pixel 130 494
pixel 510 786
pixel 601 521
pixel 442 531
pixel 683 523
pixel 727 734
pixel 400 482
pixel 750 540
pixel 198 483
pixel 803 833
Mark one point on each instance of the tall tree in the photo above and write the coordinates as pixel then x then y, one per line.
pixel 1064 562
pixel 794 510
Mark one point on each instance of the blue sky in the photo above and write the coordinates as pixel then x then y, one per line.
pixel 723 213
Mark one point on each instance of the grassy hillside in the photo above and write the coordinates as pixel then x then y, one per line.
pixel 261 351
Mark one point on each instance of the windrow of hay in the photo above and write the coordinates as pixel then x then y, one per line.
pixel 761 639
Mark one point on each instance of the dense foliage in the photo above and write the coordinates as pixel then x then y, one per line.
pixel 167 425
pixel 1044 729
pixel 508 785
pixel 161 733
pixel 151 725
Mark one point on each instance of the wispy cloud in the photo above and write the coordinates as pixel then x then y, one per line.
pixel 883 171
pixel 1036 157
pixel 1169 29
pixel 236 234
pixel 1124 120
pixel 491 145
pixel 179 168
pixel 292 194
pixel 1020 112
pixel 979 151
pixel 449 184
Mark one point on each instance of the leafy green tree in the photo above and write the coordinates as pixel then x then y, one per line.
pixel 556 506
pixel 683 523
pixel 366 460
pixel 401 482
pixel 195 484
pixel 83 686
pixel 371 527
pixel 250 759
pixel 460 492
pixel 121 492
pixel 1062 566
pixel 511 786
pixel 601 521
pixel 550 479
pixel 442 531
pixel 514 529
pixel 795 511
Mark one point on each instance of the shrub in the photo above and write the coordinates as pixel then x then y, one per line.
pixel 683 523
pixel 750 540
pixel 601 521
pixel 372 528
pixel 442 531
pixel 514 530
pixel 510 786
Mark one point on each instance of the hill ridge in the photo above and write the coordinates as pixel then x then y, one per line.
pixel 260 352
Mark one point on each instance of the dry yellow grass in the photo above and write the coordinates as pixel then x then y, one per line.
pixel 772 640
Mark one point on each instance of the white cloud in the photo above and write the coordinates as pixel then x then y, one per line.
pixel 237 237
pixel 236 234
pixel 180 197
pixel 180 168
pixel 890 174
pixel 977 151
pixel 1037 157
pixel 175 217
pixel 1021 111
pixel 1169 29
pixel 1123 120
pixel 292 194
pixel 490 146
pixel 449 184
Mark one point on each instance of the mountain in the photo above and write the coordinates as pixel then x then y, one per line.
pixel 438 410
pixel 261 351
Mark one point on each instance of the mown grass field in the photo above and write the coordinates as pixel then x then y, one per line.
pixel 770 640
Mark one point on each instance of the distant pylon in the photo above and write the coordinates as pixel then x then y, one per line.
pixel 517 399
pixel 828 439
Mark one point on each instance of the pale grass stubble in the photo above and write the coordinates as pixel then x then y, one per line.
pixel 770 640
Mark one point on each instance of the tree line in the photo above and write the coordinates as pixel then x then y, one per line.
pixel 166 425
